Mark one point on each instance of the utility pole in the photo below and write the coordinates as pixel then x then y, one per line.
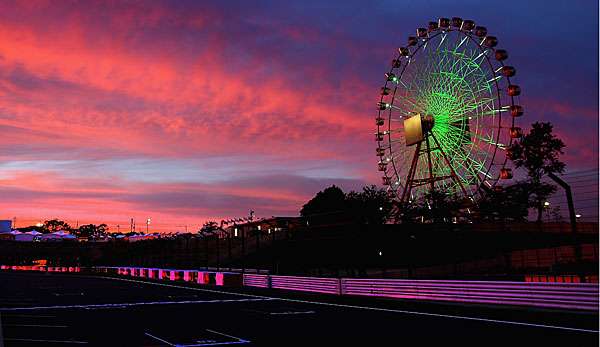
pixel 567 188
pixel 572 217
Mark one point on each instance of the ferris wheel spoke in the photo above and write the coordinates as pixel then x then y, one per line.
pixel 461 156
pixel 471 167
pixel 490 141
pixel 407 99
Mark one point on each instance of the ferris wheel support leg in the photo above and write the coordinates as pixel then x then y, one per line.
pixel 411 174
pixel 481 191
pixel 453 173
pixel 429 164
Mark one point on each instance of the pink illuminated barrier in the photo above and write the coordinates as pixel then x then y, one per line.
pixel 219 278
pixel 40 268
pixel 189 275
pixel 174 275
pixel 261 281
pixel 578 296
pixel 561 278
pixel 307 284
pixel 563 295
pixel 573 296
pixel 203 277
pixel 229 279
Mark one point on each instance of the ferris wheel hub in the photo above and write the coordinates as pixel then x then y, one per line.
pixel 427 123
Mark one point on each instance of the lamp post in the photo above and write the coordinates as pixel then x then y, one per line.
pixel 148 224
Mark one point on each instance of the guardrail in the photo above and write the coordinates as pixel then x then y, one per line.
pixel 306 284
pixel 571 296
pixel 41 268
pixel 578 296
pixel 260 281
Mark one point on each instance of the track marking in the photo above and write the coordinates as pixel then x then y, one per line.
pixel 184 287
pixel 48 341
pixel 207 343
pixel 417 313
pixel 237 342
pixel 487 320
pixel 125 304
pixel 68 294
pixel 159 339
pixel 36 325
pixel 291 312
pixel 28 316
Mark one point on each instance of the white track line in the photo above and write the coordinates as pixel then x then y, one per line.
pixel 238 340
pixel 498 321
pixel 36 325
pixel 27 316
pixel 216 343
pixel 291 312
pixel 232 337
pixel 159 339
pixel 48 341
pixel 125 304
pixel 184 287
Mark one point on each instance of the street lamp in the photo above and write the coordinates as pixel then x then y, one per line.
pixel 546 203
pixel 148 224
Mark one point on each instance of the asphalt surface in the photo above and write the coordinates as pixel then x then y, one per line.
pixel 39 309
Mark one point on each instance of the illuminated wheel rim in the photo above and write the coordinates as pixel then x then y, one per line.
pixel 453 73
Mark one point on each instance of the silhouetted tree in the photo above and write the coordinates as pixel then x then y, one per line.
pixel 538 152
pixel 330 200
pixel 209 228
pixel 53 225
pixel 371 206
pixel 39 229
pixel 440 206
pixel 91 230
pixel 433 207
pixel 505 203
pixel 409 213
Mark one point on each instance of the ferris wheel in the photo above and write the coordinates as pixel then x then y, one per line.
pixel 447 113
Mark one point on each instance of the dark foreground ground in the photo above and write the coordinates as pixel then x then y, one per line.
pixel 66 310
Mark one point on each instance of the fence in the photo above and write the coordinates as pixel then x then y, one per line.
pixel 260 281
pixel 571 296
pixel 306 284
pixel 556 295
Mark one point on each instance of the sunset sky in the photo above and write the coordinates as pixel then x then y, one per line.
pixel 184 111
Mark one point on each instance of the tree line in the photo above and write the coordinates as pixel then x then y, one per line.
pixel 54 225
pixel 537 153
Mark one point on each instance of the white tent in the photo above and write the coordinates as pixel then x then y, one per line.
pixel 60 233
pixel 58 236
pixel 24 237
